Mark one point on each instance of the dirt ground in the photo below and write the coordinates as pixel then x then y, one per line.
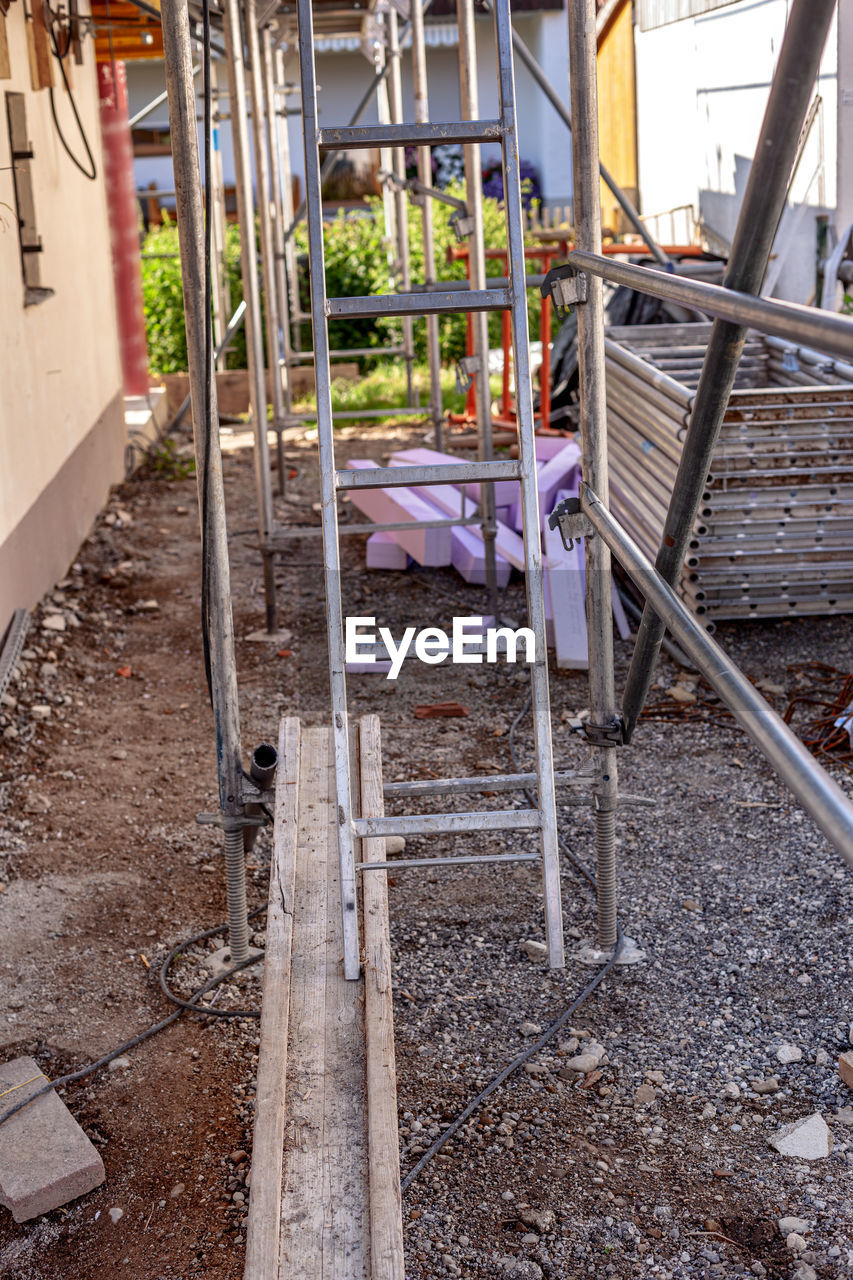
pixel 107 754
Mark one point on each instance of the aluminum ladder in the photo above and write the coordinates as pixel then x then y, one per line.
pixel 352 827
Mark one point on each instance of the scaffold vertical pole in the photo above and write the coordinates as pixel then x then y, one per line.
pixel 603 719
pixel 211 490
pixel 419 76
pixel 470 108
pixel 398 163
pixel 251 295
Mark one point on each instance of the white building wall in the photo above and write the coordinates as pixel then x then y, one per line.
pixel 702 86
pixel 61 401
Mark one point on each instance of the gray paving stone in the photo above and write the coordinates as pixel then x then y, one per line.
pixel 45 1157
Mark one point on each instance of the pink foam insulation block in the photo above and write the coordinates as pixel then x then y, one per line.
pixel 468 555
pixel 555 474
pixel 384 552
pixel 509 545
pixel 430 547
pixel 506 491
pixel 566 584
pixel 547 447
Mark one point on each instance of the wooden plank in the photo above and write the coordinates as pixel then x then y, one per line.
pixel 5 66
pixel 386 1222
pixel 41 66
pixel 346 1236
pixel 263 1235
pixel 325 1226
pixel 303 1207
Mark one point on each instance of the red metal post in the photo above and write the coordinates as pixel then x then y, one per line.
pixel 124 226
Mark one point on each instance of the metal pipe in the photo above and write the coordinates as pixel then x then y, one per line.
pixel 823 330
pixel 262 771
pixel 326 450
pixel 413 824
pixel 607 178
pixel 419 74
pixel 211 490
pixel 278 143
pixel 486 782
pixel 593 430
pixel 422 304
pixel 763 203
pixel 821 798
pixel 401 204
pixel 260 135
pixel 251 292
pixel 221 291
pixel 469 103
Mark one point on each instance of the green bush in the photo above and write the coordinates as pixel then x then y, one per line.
pixel 357 262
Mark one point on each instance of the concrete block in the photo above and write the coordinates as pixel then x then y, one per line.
pixel 45 1157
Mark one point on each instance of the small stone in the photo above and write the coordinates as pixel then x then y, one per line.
pixel 541 1220
pixel 804 1272
pixel 119 1064
pixel 770 1085
pixel 709 1112
pixel 394 844
pixel 530 1029
pixel 758 1269
pixel 238 1197
pixel 821 1058
pixel 118 753
pixel 850 1034
pixel 53 622
pixel 535 1069
pixel 147 606
pixel 48 670
pixel 844 1115
pixel 794 1242
pixel 208 867
pixel 788 1053
pixel 534 950
pixel 730 1090
pixel 177 1190
pixel 40 711
pixel 115 1214
pixel 845 1068
pixel 806 1139
pixel 678 693
pixel 530 1238
pixel 238 1157
pixel 645 1095
pixel 787 1225
pixel 508 1196
pixel 580 1065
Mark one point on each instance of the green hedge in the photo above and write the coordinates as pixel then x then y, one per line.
pixel 356 256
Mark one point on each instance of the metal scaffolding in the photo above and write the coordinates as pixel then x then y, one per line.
pixel 256 35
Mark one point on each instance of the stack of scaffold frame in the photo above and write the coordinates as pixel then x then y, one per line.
pixel 773 536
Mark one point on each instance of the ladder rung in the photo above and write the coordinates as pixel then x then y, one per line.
pixel 307 357
pixel 447 823
pixel 487 782
pixel 442 473
pixel 404 135
pixel 412 864
pixel 421 304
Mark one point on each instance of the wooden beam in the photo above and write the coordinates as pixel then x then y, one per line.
pixel 386 1221
pixel 263 1235
pixel 41 69
pixel 5 67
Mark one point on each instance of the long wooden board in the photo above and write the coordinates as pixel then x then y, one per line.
pixel 325 1187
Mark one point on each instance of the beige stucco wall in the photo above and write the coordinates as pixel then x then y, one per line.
pixel 61 410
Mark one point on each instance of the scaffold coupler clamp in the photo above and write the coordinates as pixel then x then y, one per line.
pixel 566 288
pixel 611 734
pixel 571 522
pixel 465 370
pixel 462 224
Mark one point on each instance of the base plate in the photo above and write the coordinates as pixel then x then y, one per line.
pixel 591 953
pixel 219 962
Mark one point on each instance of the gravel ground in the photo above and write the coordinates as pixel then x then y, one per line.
pixel 636 1143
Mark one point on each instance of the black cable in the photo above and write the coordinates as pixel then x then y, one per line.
pixel 92 172
pixel 191 1004
pixel 533 1049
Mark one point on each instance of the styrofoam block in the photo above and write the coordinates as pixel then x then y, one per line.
pixel 430 547
pixel 506 491
pixel 547 447
pixel 556 474
pixel 468 554
pixel 566 583
pixel 384 552
pixel 507 543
